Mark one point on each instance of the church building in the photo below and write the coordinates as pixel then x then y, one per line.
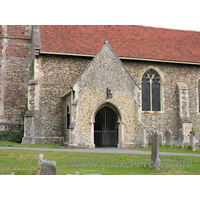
pixel 99 86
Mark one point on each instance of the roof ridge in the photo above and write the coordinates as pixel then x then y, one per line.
pixel 166 28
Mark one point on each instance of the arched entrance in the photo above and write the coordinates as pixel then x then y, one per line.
pixel 106 128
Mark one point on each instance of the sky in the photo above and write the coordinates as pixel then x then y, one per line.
pixel 175 14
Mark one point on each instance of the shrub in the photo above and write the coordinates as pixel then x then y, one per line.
pixel 11 136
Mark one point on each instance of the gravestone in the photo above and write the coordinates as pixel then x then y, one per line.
pixel 168 136
pixel 192 141
pixel 161 139
pixel 180 139
pixel 39 164
pixel 45 167
pixel 94 174
pixel 155 160
pixel 150 138
pixel 85 174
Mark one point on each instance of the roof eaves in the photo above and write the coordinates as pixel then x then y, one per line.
pixel 124 58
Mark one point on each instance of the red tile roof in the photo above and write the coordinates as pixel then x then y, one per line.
pixel 126 41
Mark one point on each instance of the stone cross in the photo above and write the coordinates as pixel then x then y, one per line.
pixel 161 139
pixel 180 139
pixel 150 138
pixel 45 167
pixel 168 136
pixel 155 160
pixel 192 141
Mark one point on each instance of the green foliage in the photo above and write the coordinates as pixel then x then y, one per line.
pixel 11 136
pixel 15 136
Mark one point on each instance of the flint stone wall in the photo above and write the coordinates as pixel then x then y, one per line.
pixel 56 74
pixel 171 74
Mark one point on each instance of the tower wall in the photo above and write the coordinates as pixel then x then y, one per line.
pixel 15 64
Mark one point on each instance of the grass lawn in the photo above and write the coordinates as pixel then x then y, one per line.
pixel 13 144
pixel 24 162
pixel 170 149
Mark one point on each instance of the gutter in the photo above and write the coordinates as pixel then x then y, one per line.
pixel 122 58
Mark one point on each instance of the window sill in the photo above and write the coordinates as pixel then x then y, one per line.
pixel 152 112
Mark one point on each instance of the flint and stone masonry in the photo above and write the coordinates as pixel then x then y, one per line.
pixel 186 122
pixel 85 98
pixel 79 83
pixel 89 96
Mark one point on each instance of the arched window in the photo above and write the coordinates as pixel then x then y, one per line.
pixel 68 117
pixel 151 91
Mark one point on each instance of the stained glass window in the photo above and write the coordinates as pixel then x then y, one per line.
pixel 151 91
pixel 145 93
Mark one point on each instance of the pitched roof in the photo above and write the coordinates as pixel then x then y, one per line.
pixel 128 41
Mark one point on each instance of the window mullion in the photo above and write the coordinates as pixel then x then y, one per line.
pixel 150 94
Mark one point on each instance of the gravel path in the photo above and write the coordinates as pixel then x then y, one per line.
pixel 103 150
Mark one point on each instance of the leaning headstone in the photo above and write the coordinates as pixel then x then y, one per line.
pixel 168 136
pixel 192 141
pixel 45 167
pixel 161 139
pixel 180 139
pixel 150 138
pixel 155 160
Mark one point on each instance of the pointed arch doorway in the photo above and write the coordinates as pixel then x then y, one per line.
pixel 106 128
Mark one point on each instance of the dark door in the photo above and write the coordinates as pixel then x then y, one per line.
pixel 106 128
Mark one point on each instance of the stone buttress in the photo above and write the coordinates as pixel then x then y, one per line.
pixel 43 120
